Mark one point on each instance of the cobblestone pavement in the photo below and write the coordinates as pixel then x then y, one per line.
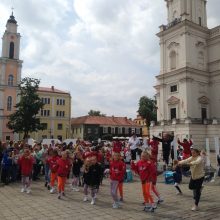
pixel 41 205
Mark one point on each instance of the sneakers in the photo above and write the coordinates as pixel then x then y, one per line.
pixel 22 190
pixel 93 201
pixel 85 199
pixel 115 205
pixel 52 190
pixel 195 208
pixel 149 209
pixel 63 194
pixel 160 200
pixel 121 200
pixel 28 190
pixel 75 189
pixel 59 196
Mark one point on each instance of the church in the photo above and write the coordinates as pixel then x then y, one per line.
pixel 188 85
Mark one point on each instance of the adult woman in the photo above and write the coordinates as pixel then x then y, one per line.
pixel 197 175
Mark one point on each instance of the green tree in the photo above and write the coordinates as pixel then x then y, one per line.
pixel 95 113
pixel 147 109
pixel 24 119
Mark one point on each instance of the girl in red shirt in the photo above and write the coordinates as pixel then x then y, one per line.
pixel 63 170
pixel 143 169
pixel 117 169
pixel 53 169
pixel 26 162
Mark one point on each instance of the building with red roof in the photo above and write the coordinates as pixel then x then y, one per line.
pixel 104 127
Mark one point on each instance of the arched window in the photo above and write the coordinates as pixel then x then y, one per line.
pixel 172 60
pixel 10 80
pixel 9 103
pixel 11 50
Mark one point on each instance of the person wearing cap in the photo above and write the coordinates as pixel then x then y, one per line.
pixel 197 174
pixel 133 144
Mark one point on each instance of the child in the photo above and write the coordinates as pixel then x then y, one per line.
pixel 177 176
pixel 94 177
pixel 77 164
pixel 143 168
pixel 86 178
pixel 117 170
pixel 154 182
pixel 52 161
pixel 63 170
pixel 6 166
pixel 120 184
pixel 26 165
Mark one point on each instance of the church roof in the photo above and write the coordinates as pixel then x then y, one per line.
pixel 12 19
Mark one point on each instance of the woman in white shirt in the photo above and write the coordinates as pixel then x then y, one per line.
pixel 197 175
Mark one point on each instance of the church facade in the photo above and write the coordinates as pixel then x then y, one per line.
pixel 10 76
pixel 188 85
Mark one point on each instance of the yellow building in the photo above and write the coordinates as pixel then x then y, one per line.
pixel 140 121
pixel 55 115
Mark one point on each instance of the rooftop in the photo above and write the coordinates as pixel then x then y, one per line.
pixel 103 120
pixel 51 90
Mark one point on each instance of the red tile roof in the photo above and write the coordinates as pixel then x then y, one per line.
pixel 101 120
pixel 51 90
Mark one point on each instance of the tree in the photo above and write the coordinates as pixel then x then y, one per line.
pixel 24 119
pixel 147 109
pixel 95 113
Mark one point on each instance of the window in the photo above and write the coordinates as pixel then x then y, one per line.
pixel 11 50
pixel 9 103
pixel 45 112
pixel 105 130
pixel 119 130
pixel 89 130
pixel 10 80
pixel 59 126
pixel 173 88
pixel 204 113
pixel 172 113
pixel 137 130
pixel 45 100
pixel 200 21
pixel 112 130
pixel 60 101
pixel 173 60
pixel 96 130
pixel 126 130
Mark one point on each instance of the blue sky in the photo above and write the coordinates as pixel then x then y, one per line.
pixel 104 52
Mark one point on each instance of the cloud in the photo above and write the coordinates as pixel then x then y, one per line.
pixel 104 52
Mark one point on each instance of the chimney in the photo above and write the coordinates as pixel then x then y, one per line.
pixel 52 87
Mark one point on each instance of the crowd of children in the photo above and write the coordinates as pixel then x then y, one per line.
pixel 86 165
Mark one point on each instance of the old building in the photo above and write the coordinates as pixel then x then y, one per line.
pixel 55 115
pixel 142 122
pixel 95 127
pixel 187 87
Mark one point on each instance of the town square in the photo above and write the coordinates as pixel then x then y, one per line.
pixel 109 109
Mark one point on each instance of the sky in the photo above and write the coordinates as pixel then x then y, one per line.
pixel 104 52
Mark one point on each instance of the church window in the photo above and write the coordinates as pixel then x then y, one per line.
pixel 9 103
pixel 173 88
pixel 173 60
pixel 204 113
pixel 200 21
pixel 172 113
pixel 11 50
pixel 10 80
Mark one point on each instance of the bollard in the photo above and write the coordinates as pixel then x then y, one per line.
pixel 208 164
pixel 175 148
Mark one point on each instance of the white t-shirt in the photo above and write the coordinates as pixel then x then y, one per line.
pixel 133 143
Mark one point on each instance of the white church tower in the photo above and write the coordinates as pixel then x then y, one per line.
pixel 188 85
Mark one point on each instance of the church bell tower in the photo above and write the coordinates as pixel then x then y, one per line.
pixel 10 76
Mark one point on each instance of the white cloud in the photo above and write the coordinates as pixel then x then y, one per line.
pixel 104 52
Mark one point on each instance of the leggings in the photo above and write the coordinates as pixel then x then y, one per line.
pixel 120 189
pixel 93 189
pixel 26 182
pixel 114 187
pixel 61 183
pixel 154 189
pixel 146 193
pixel 75 181
pixel 53 177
